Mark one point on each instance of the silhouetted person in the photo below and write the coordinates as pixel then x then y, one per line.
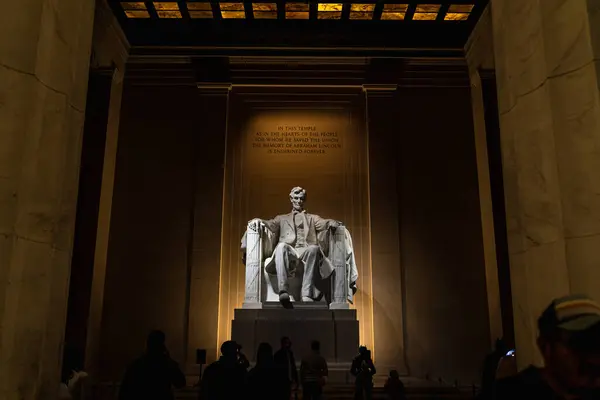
pixel 569 340
pixel 507 366
pixel 313 373
pixel 490 366
pixel 153 375
pixel 225 378
pixel 363 369
pixel 241 357
pixel 265 379
pixel 394 388
pixel 284 358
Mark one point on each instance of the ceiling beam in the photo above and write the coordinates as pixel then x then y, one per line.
pixel 443 11
pixel 298 33
pixel 179 53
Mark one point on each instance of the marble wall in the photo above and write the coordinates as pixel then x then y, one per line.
pixel 389 303
pixel 258 179
pixel 146 284
pixel 545 59
pixel 110 51
pixel 480 57
pixel 161 211
pixel 441 244
pixel 164 250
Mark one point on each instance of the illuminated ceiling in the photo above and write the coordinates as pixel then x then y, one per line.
pixel 206 27
pixel 298 10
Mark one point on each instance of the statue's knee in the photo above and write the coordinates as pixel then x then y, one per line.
pixel 313 249
pixel 281 248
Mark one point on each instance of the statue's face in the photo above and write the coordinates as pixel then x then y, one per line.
pixel 297 200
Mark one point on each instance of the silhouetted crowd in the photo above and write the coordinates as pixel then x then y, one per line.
pixel 275 375
pixel 568 341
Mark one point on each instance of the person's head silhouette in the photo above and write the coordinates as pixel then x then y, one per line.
pixel 155 344
pixel 315 346
pixel 264 354
pixel 286 343
pixel 229 350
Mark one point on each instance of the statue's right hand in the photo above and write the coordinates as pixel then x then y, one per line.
pixel 255 224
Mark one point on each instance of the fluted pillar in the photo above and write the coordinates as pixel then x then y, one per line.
pixel 111 49
pixel 205 259
pixel 549 106
pixel 388 319
pixel 44 60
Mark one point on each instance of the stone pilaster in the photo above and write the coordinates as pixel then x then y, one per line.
pixel 110 49
pixel 44 60
pixel 205 254
pixel 388 322
pixel 480 56
pixel 549 118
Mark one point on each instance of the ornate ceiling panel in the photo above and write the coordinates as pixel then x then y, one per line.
pixel 340 26
pixel 458 10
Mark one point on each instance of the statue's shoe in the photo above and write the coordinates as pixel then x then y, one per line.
pixel 306 299
pixel 284 297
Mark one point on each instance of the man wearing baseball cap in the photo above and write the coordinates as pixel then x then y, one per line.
pixel 569 341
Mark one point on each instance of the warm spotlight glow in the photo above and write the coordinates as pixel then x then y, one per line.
pixel 167 9
pixel 394 11
pixel 232 10
pixel 426 12
pixel 461 8
pixel 456 17
pixel 329 11
pixel 458 12
pixel 362 11
pixel 200 10
pixel 166 5
pixel 296 11
pixel 264 10
pixel 138 5
pixel 135 9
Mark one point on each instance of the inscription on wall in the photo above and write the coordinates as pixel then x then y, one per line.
pixel 296 139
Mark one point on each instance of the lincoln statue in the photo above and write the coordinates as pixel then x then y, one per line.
pixel 300 249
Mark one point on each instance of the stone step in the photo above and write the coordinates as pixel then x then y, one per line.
pixel 346 392
pixel 421 391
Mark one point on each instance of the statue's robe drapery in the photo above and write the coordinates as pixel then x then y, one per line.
pixel 281 229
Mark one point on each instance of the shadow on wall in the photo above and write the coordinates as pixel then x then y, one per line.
pixel 447 328
pixel 146 274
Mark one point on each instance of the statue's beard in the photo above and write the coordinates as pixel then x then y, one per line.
pixel 297 207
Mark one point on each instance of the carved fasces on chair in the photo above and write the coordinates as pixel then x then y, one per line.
pixel 254 257
pixel 337 256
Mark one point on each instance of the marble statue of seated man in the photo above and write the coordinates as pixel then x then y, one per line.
pixel 298 245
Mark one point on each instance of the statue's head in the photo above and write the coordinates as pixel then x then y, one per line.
pixel 298 197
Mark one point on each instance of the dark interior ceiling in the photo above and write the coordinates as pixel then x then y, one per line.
pixel 348 43
pixel 301 29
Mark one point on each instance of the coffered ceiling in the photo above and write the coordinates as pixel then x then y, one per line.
pixel 344 28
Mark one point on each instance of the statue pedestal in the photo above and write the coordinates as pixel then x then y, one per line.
pixel 336 329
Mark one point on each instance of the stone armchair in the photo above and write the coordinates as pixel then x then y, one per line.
pixel 259 288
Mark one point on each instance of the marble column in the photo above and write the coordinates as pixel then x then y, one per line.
pixel 111 49
pixel 205 257
pixel 388 321
pixel 545 58
pixel 44 61
pixel 480 56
